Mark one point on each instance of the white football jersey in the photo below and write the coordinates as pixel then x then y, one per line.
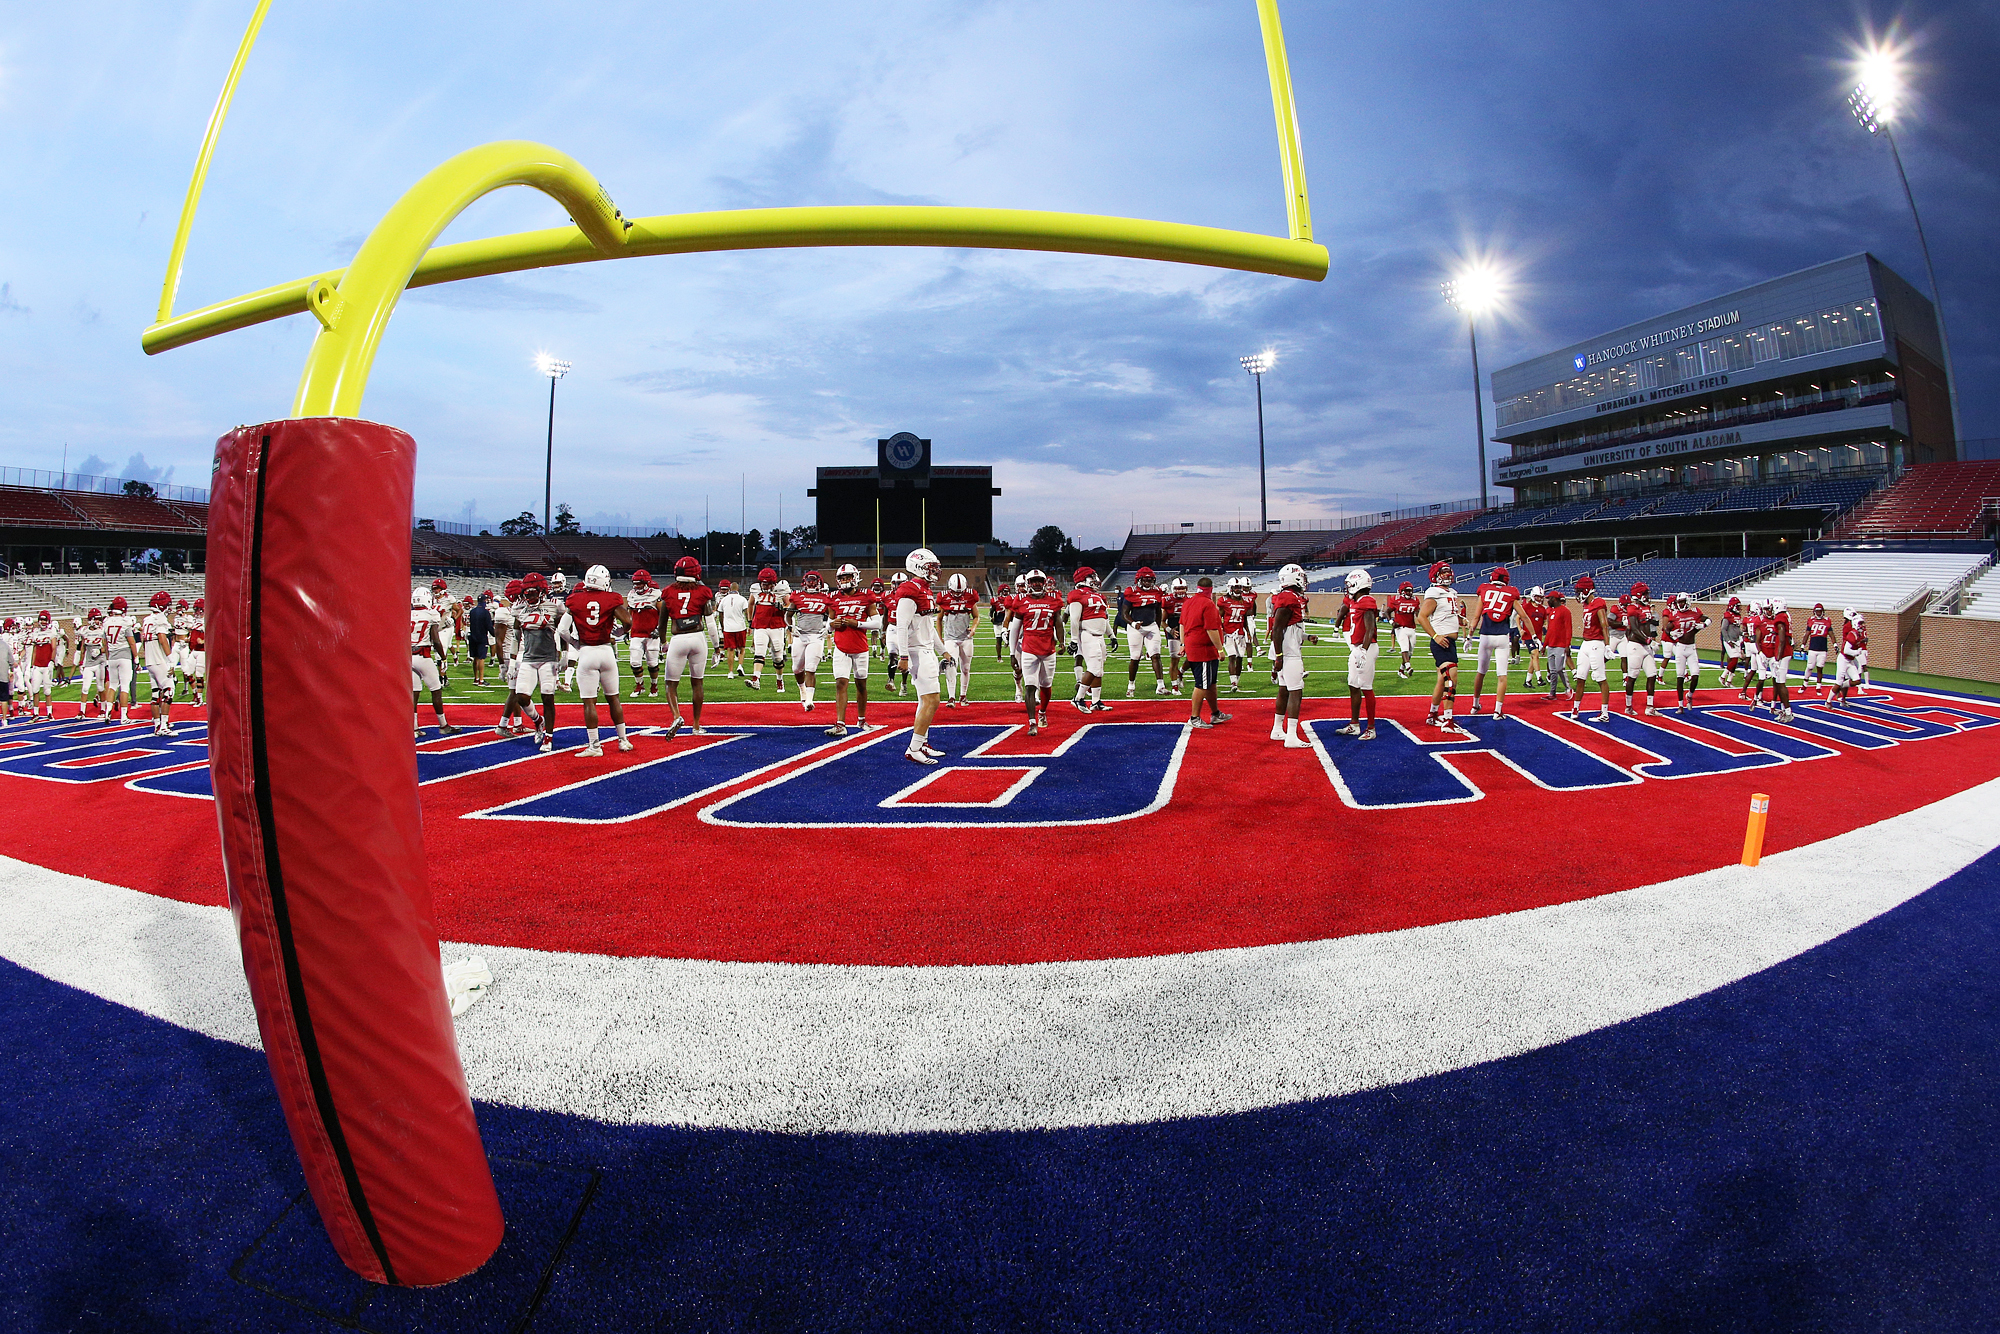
pixel 421 621
pixel 1449 613
pixel 157 623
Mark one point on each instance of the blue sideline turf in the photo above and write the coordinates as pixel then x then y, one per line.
pixel 1811 1148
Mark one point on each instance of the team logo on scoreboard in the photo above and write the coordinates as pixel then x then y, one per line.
pixel 903 451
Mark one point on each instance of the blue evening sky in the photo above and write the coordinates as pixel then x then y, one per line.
pixel 1625 159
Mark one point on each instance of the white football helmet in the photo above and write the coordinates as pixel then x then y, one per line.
pixel 597 577
pixel 558 581
pixel 1034 577
pixel 1535 592
pixel 1358 582
pixel 783 589
pixel 1777 606
pixel 957 583
pixel 1179 586
pixel 420 599
pixel 923 563
pixel 1292 576
pixel 846 577
pixel 1849 614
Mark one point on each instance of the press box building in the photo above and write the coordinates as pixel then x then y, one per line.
pixel 1830 370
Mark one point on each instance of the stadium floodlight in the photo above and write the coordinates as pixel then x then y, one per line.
pixel 1477 289
pixel 555 370
pixel 1257 363
pixel 1880 85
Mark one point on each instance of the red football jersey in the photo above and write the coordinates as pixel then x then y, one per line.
pixel 1496 608
pixel 1236 613
pixel 1539 618
pixel 1856 638
pixel 1282 599
pixel 766 611
pixel 1092 602
pixel 1593 620
pixel 1638 622
pixel 958 602
pixel 1774 636
pixel 1818 628
pixel 645 614
pixel 852 604
pixel 1143 606
pixel 591 609
pixel 197 638
pixel 1039 618
pixel 1403 609
pixel 1355 627
pixel 686 605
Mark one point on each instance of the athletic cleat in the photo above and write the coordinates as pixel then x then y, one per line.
pixel 1294 743
pixel 544 744
pixel 837 730
pixel 592 749
pixel 1352 729
pixel 1100 707
pixel 754 685
pixel 1368 735
pixel 1042 718
pixel 918 757
pixel 1200 723
pixel 625 745
pixel 1603 716
pixel 1220 718
pixel 674 727
pixel 931 750
pixel 699 731
pixel 1082 706
pixel 448 729
pixel 1033 730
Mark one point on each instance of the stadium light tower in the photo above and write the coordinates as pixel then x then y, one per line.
pixel 1475 291
pixel 555 370
pixel 1877 97
pixel 1257 364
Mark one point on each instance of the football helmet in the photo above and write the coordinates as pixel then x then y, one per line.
pixel 1535 592
pixel 1442 575
pixel 182 605
pixel 1085 577
pixel 687 570
pixel 846 576
pixel 812 581
pixel 44 618
pixel 922 563
pixel 1639 592
pixel 1145 576
pixel 1358 583
pixel 1778 607
pixel 1734 603
pixel 1406 587
pixel 1038 582
pixel 1819 607
pixel 420 599
pixel 878 586
pixel 1499 574
pixel 597 577
pixel 199 603
pixel 1179 586
pixel 438 585
pixel 767 576
pixel 558 581
pixel 534 582
pixel 783 590
pixel 1683 601
pixel 1585 586
pixel 118 604
pixel 513 589
pixel 96 614
pixel 641 579
pixel 1292 576
pixel 957 583
pixel 163 599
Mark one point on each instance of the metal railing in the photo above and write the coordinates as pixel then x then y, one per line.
pixel 37 479
pixel 1762 572
pixel 1948 601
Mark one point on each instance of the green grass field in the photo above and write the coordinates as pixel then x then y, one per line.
pixel 1326 666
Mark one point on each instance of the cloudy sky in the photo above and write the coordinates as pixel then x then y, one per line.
pixel 1625 159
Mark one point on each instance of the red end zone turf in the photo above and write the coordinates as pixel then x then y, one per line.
pixel 1254 844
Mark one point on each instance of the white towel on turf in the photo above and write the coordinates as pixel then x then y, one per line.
pixel 465 982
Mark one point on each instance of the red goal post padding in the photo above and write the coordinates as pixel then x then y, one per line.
pixel 322 840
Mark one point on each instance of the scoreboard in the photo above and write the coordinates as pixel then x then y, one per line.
pixel 910 499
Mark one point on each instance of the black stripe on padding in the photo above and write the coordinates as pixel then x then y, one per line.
pixel 274 876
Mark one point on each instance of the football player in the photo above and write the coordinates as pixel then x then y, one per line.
pixel 1142 607
pixel 426 652
pixel 592 614
pixel 853 606
pixel 1003 594
pixel 1852 669
pixel 447 624
pixel 643 647
pixel 121 644
pixel 1359 615
pixel 91 654
pixel 914 613
pixel 732 611
pixel 43 640
pixel 1286 645
pixel 810 608
pixel 1819 629
pixel 1679 624
pixel 1753 672
pixel 1089 628
pixel 1239 626
pixel 1593 655
pixel 686 603
pixel 1732 640
pixel 1537 609
pixel 1641 629
pixel 1441 616
pixel 198 652
pixel 1500 617
pixel 960 612
pixel 157 634
pixel 1774 645
pixel 1040 613
pixel 537 667
pixel 1177 596
pixel 1403 610
pixel 767 628
pixel 1557 628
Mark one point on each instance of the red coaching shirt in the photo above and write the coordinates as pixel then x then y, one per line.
pixel 1556 633
pixel 1199 615
pixel 592 609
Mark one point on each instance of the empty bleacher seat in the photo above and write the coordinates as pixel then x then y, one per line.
pixel 1867 580
pixel 1931 500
